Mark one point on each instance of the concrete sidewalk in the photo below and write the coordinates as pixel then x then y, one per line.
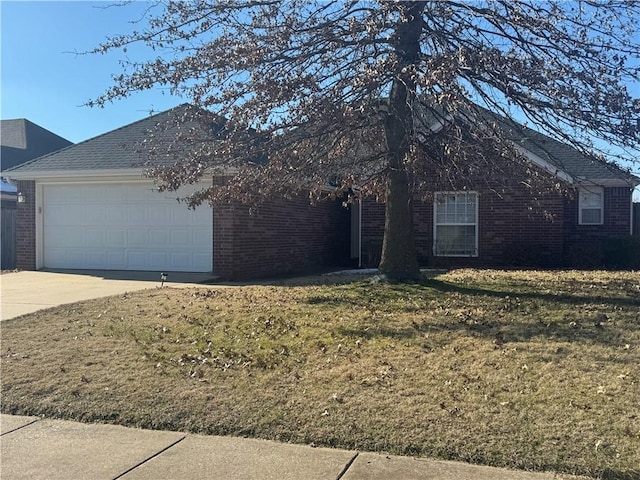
pixel 28 291
pixel 33 448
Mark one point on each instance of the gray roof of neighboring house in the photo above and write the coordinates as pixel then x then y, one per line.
pixel 22 140
pixel 112 150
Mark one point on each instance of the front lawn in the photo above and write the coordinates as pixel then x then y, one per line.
pixel 532 370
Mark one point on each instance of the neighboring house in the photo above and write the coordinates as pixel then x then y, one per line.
pixel 89 206
pixel 20 141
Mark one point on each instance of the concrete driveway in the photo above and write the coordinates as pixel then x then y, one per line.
pixel 26 292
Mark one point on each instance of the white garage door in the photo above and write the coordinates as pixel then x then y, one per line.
pixel 124 227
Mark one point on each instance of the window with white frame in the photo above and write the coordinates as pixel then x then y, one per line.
pixel 455 226
pixel 591 206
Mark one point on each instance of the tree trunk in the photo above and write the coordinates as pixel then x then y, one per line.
pixel 399 259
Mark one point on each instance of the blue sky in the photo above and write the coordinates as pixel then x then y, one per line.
pixel 44 81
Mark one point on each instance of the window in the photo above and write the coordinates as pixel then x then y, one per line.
pixel 590 206
pixel 455 224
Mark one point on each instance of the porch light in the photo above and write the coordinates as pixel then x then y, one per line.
pixel 21 197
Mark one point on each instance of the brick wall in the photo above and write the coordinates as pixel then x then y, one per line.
pixel 617 217
pixel 514 230
pixel 280 236
pixel 26 226
pixel 517 229
pixel 584 244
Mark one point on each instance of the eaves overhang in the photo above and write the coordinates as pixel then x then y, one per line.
pixel 546 166
pixel 84 173
pixel 609 182
pixel 111 174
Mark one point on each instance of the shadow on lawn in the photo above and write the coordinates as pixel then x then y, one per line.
pixel 433 286
pixel 502 334
pixel 587 322
pixel 564 298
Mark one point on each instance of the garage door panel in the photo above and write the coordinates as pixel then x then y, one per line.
pixel 96 214
pixel 96 237
pixel 158 260
pixel 180 261
pixel 76 257
pixel 181 237
pixel 137 260
pixel 60 214
pixel 79 214
pixel 159 216
pixel 55 256
pixel 186 220
pixel 57 237
pixel 100 195
pixel 201 238
pixel 116 238
pixel 137 215
pixel 123 227
pixel 97 259
pixel 66 194
pixel 137 238
pixel 116 260
pixel 75 237
pixel 115 215
pixel 159 238
pixel 200 258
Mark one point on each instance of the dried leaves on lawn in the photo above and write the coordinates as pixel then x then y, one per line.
pixel 534 370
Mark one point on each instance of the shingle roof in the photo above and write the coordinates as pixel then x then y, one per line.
pixel 22 140
pixel 117 150
pixel 112 150
pixel 560 155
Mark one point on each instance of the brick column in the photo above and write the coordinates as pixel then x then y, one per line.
pixel 26 226
pixel 223 241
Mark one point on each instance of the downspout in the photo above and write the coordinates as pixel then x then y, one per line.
pixel 631 212
pixel 360 231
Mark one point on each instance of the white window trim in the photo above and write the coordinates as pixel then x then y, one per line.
pixel 593 189
pixel 435 224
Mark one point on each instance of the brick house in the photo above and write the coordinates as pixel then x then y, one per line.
pixel 88 206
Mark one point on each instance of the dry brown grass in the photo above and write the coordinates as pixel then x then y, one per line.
pixel 534 370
